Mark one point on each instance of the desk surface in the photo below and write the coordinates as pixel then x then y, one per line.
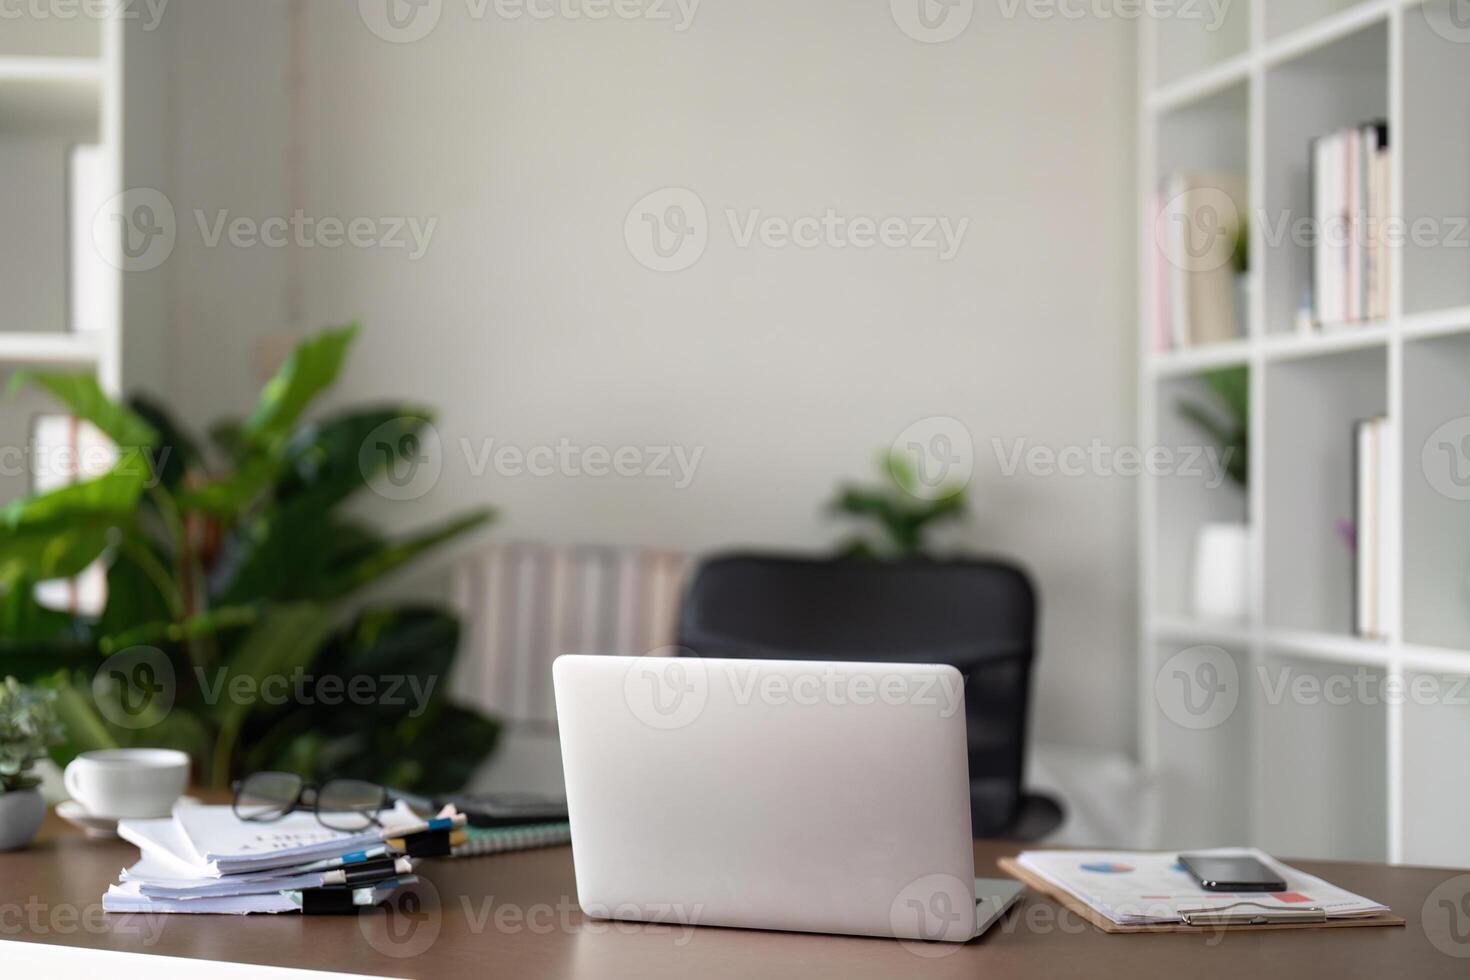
pixel 515 915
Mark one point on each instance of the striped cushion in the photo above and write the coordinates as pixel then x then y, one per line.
pixel 523 605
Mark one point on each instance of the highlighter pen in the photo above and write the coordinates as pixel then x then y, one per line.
pixel 434 823
pixel 352 857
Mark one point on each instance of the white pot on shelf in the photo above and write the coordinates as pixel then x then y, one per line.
pixel 21 811
pixel 1222 572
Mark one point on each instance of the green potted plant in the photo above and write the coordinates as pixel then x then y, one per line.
pixel 900 518
pixel 237 563
pixel 28 727
pixel 1220 589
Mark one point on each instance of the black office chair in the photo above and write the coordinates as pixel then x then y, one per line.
pixel 978 616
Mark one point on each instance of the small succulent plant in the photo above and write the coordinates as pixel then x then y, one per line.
pixel 28 726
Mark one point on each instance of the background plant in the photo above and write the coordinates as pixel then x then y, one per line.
pixel 896 518
pixel 1225 418
pixel 28 727
pixel 238 559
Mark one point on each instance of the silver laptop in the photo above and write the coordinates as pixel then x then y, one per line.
pixel 773 794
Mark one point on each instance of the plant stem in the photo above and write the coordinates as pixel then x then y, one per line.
pixel 156 573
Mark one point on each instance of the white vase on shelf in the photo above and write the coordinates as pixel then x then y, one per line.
pixel 1221 586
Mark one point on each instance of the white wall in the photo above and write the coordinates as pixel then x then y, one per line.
pixel 528 321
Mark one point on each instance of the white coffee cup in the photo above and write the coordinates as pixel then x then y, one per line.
pixel 127 782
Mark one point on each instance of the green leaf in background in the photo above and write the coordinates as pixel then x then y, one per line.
pixel 327 459
pixel 176 453
pixel 902 516
pixel 1225 418
pixel 85 728
pixel 45 554
pixel 84 396
pixel 309 369
pixel 210 623
pixel 396 554
pixel 228 436
pixel 110 497
pixel 286 637
pixel 235 573
pixel 228 495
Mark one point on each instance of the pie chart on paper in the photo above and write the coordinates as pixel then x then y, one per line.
pixel 1108 868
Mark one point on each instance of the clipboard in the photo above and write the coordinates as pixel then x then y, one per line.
pixel 1042 887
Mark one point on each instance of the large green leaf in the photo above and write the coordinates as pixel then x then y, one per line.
pixel 396 554
pixel 110 497
pixel 133 597
pixel 85 728
pixel 84 396
pixel 228 495
pixel 176 452
pixel 40 554
pixel 332 459
pixel 309 369
pixel 287 637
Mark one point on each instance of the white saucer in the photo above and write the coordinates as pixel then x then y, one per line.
pixel 99 828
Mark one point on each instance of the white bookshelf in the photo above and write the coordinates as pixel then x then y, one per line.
pixel 1378 779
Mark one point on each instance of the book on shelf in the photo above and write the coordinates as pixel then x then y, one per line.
pixel 1198 222
pixel 1370 464
pixel 1350 180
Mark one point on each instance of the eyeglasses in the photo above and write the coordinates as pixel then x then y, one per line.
pixel 348 805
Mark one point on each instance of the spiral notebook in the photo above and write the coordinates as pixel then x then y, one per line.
pixel 497 840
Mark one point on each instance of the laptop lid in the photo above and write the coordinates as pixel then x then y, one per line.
pixel 798 795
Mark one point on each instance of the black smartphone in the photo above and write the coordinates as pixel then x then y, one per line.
pixel 1231 874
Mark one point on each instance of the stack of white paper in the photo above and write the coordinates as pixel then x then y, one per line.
pixel 1148 888
pixel 205 859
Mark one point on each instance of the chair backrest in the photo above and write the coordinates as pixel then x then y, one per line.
pixel 979 616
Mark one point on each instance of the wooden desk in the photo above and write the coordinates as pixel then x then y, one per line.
pixel 515 915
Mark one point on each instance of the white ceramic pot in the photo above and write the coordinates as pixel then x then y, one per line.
pixel 1222 572
pixel 20 817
